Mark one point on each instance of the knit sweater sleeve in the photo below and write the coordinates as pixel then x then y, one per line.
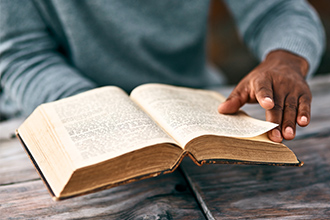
pixel 32 70
pixel 291 25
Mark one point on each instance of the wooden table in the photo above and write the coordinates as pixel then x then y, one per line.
pixel 191 192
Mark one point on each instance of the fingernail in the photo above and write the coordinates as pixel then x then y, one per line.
pixel 289 130
pixel 268 99
pixel 276 133
pixel 303 119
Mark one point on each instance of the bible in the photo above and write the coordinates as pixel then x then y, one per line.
pixel 104 137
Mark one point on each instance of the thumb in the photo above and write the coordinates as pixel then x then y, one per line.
pixel 233 103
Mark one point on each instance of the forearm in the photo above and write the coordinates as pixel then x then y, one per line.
pixel 293 61
pixel 32 71
pixel 280 25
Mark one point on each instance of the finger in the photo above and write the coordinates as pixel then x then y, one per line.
pixel 275 135
pixel 289 117
pixel 235 100
pixel 275 115
pixel 304 110
pixel 264 92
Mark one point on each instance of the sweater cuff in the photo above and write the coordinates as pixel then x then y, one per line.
pixel 299 47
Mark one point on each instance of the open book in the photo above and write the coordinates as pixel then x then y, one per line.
pixel 103 138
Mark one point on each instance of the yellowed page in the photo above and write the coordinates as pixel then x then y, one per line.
pixel 187 113
pixel 101 124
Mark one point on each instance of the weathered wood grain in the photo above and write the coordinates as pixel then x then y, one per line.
pixel 15 165
pixel 23 195
pixel 164 197
pixel 224 191
pixel 265 192
pixel 7 128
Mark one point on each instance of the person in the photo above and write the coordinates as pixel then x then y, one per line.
pixel 51 49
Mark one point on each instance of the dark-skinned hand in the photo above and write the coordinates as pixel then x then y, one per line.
pixel 278 85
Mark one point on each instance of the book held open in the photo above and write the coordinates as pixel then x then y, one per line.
pixel 103 138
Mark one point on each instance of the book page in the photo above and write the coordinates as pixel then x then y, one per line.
pixel 101 124
pixel 187 113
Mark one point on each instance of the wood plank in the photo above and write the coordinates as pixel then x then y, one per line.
pixel 7 128
pixel 266 192
pixel 23 195
pixel 15 165
pixel 258 192
pixel 164 197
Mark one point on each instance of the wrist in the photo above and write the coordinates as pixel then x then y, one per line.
pixel 293 61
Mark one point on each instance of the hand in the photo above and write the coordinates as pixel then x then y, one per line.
pixel 278 85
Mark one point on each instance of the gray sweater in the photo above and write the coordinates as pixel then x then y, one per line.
pixel 52 49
